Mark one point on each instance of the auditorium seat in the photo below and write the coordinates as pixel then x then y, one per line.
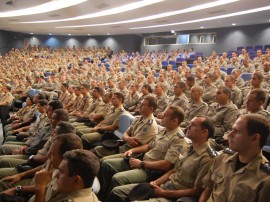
pixel 164 63
pixel 246 76
pixel 125 122
pixel 229 70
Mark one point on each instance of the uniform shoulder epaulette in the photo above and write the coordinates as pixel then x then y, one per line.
pixel 180 134
pixel 265 166
pixel 212 152
pixel 229 151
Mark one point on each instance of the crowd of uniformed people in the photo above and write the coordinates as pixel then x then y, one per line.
pixel 197 131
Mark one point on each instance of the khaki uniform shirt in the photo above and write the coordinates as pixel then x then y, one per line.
pixel 132 100
pixel 39 123
pixel 249 183
pixel 77 102
pixel 168 145
pixel 71 99
pixel 209 94
pixel 223 117
pixel 6 99
pixel 191 169
pixel 143 129
pixel 261 111
pixel 92 106
pixel 194 109
pixel 82 195
pixel 180 101
pixel 84 103
pixel 113 117
pixel 64 97
pixel 240 83
pixel 199 81
pixel 237 96
pixel 162 102
pixel 103 108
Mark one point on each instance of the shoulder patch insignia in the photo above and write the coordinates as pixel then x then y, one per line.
pixel 265 166
pixel 229 151
pixel 150 121
pixel 145 129
pixel 212 152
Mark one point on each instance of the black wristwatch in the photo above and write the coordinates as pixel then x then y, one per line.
pixel 142 164
pixel 18 190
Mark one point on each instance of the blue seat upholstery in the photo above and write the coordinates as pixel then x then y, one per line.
pixel 223 69
pixel 229 70
pixel 258 47
pixel 246 76
pixel 164 63
pixel 173 63
pixel 125 122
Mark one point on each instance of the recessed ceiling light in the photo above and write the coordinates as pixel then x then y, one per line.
pixel 42 8
pixel 233 24
pixel 208 19
pixel 159 16
pixel 117 10
pixel 201 27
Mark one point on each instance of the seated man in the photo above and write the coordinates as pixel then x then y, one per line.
pixel 196 107
pixel 254 104
pixel 77 172
pixel 160 155
pixel 185 180
pixel 141 131
pixel 25 124
pixel 242 175
pixel 224 113
pixel 7 98
pixel 36 141
pixel 12 177
pixel 60 144
pixel 110 123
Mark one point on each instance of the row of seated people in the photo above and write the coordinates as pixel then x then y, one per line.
pixel 162 148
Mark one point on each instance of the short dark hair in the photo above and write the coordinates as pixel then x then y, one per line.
pixel 69 141
pixel 41 96
pixel 83 163
pixel 152 101
pixel 98 89
pixel 61 114
pixel 120 96
pixel 257 123
pixel 85 85
pixel 178 113
pixel 64 127
pixel 43 102
pixel 260 94
pixel 55 104
pixel 148 87
pixel 208 124
pixel 191 79
pixel 182 85
pixel 66 85
pixel 227 91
